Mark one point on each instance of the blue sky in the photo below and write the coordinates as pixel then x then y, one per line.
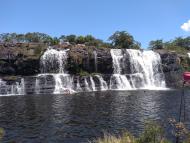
pixel 145 19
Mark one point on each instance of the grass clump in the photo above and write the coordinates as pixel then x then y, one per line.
pixel 125 138
pixel 2 133
pixel 153 133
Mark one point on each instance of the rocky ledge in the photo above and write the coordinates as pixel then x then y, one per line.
pixel 24 60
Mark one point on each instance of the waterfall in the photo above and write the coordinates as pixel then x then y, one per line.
pixel 21 87
pixel 78 87
pixel 63 84
pixel 118 81
pixel 117 57
pixel 17 88
pixel 135 69
pixel 3 87
pixel 92 84
pixel 147 64
pixel 87 88
pixel 53 61
pixel 95 60
pixel 37 86
pixel 188 55
pixel 103 84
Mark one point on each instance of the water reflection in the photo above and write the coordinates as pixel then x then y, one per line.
pixel 80 117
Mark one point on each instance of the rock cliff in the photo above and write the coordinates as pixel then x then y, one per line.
pixel 24 59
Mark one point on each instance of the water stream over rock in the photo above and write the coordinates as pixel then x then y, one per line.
pixel 133 69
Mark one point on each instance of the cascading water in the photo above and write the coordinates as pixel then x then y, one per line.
pixel 143 70
pixel 37 86
pixel 78 87
pixel 86 85
pixel 147 65
pixel 95 60
pixel 133 69
pixel 118 81
pixel 17 88
pixel 103 84
pixel 63 83
pixel 21 87
pixel 53 61
pixel 92 84
pixel 188 55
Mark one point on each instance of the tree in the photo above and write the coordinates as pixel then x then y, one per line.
pixel 122 39
pixel 8 37
pixel 38 37
pixel 80 40
pixel 71 39
pixel 157 44
pixel 182 42
pixel 54 41
pixel 20 38
pixel 136 45
pixel 92 41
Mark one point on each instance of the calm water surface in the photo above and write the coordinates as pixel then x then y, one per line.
pixel 82 117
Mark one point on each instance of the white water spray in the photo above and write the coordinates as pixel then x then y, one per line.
pixel 118 81
pixel 147 64
pixel 54 60
pixel 103 84
pixel 92 84
pixel 95 60
pixel 145 70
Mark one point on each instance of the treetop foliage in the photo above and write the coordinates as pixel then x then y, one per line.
pixel 120 39
pixel 179 44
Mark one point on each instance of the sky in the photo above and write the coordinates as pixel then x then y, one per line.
pixel 146 20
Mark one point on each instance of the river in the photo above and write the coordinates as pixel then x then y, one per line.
pixel 81 117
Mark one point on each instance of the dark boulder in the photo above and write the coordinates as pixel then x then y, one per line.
pixel 171 65
pixel 20 59
pixel 89 59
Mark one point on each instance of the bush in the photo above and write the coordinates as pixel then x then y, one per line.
pixel 122 39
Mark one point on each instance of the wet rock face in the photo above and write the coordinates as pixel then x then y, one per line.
pixel 20 59
pixel 89 59
pixel 24 59
pixel 172 68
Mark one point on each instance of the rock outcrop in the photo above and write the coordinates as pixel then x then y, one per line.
pixel 172 67
pixel 20 59
pixel 24 59
pixel 89 59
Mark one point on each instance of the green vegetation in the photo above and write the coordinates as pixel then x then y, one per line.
pixel 122 39
pixel 179 45
pixel 83 73
pixel 27 38
pixel 153 133
pixel 185 63
pixel 88 40
pixel 2 133
pixel 157 44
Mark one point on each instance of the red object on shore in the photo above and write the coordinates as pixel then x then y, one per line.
pixel 186 76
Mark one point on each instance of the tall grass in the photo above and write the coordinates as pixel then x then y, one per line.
pixel 153 133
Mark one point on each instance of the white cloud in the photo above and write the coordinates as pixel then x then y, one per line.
pixel 186 26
